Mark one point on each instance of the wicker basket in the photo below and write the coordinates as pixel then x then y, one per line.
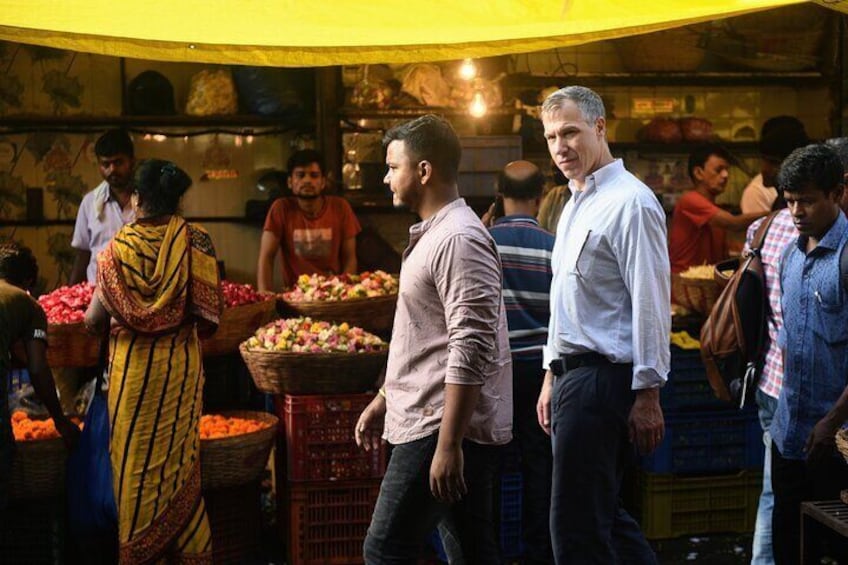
pixel 729 266
pixel 38 469
pixel 662 51
pixel 698 295
pixel 371 314
pixel 68 345
pixel 237 324
pixel 280 372
pixel 240 459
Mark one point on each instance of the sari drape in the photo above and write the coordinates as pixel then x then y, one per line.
pixel 156 281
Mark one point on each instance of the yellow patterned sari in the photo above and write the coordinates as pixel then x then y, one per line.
pixel 156 281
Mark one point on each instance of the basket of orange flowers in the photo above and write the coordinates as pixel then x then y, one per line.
pixel 234 447
pixel 38 467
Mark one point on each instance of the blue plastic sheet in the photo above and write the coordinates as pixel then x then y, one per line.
pixel 91 500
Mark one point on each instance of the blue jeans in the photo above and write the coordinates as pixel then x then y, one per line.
pixel 536 461
pixel 761 552
pixel 406 511
pixel 590 408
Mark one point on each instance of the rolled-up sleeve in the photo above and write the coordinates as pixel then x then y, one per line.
pixel 467 274
pixel 644 264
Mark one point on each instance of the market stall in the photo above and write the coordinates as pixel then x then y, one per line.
pixel 315 455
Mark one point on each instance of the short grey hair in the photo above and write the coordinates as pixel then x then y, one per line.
pixel 587 101
pixel 840 147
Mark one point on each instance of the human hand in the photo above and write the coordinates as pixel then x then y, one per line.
pixel 543 405
pixel 488 217
pixel 646 423
pixel 368 432
pixel 821 441
pixel 447 483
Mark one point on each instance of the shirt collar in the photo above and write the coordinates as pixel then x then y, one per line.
pixel 424 225
pixel 833 237
pixel 602 176
pixel 516 218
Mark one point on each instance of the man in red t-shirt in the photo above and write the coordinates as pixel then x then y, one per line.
pixel 697 235
pixel 314 233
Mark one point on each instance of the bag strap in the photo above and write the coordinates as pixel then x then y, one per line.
pixel 760 234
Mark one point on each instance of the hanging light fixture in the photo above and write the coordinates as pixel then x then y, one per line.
pixel 468 70
pixel 478 107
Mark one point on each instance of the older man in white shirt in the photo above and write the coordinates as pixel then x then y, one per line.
pixel 608 350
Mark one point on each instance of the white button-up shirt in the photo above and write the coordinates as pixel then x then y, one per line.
pixel 98 220
pixel 611 287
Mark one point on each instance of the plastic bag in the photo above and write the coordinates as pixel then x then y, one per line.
pixel 211 93
pixel 267 91
pixel 425 83
pixel 151 94
pixel 91 500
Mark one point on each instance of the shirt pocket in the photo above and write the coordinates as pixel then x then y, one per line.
pixel 595 263
pixel 831 354
pixel 831 324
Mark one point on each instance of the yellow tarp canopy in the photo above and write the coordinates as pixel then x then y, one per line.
pixel 309 33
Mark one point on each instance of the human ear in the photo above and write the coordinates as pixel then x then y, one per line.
pixel 425 171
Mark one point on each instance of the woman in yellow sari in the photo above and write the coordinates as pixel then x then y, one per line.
pixel 158 281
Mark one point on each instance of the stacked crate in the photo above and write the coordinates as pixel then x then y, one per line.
pixel 327 485
pixel 706 475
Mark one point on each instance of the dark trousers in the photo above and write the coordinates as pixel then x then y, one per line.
pixel 534 445
pixel 794 481
pixel 7 449
pixel 406 512
pixel 591 447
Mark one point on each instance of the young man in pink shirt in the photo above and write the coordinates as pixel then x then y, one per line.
pixel 446 407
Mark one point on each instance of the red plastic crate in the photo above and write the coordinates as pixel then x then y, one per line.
pixel 327 522
pixel 319 439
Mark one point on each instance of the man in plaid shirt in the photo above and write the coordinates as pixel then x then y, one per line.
pixel 781 232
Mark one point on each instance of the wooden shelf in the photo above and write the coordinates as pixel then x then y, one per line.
pixel 647 148
pixel 241 123
pixel 70 222
pixel 349 113
pixel 803 79
pixel 683 148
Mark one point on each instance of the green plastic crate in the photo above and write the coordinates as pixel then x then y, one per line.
pixel 669 506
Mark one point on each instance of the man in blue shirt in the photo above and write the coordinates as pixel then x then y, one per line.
pixel 813 402
pixel 525 250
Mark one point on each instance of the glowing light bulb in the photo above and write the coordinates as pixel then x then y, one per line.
pixel 159 138
pixel 147 137
pixel 478 106
pixel 249 139
pixel 237 141
pixel 468 70
pixel 185 139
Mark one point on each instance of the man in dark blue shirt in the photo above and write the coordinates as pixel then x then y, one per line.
pixel 813 402
pixel 525 250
